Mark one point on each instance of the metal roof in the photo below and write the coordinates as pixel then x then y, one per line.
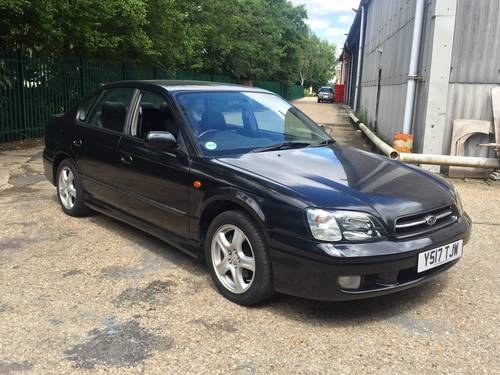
pixel 353 35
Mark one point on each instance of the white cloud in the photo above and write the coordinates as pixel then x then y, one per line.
pixel 335 35
pixel 326 7
pixel 330 19
pixel 335 32
pixel 346 19
pixel 317 24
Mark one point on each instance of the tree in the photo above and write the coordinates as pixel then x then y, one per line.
pixel 248 39
pixel 317 63
pixel 112 29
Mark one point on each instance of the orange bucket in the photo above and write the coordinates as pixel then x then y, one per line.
pixel 403 142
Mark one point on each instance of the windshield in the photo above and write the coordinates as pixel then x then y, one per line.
pixel 228 123
pixel 326 89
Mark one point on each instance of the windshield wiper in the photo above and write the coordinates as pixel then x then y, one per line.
pixel 324 143
pixel 283 146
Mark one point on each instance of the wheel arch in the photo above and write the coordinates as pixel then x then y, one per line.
pixel 58 158
pixel 218 204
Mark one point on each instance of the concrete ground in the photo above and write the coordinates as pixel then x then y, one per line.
pixel 93 295
pixel 335 119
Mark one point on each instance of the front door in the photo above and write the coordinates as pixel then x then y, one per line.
pixel 156 180
pixel 95 144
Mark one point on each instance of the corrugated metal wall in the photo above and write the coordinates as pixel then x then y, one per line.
pixel 475 60
pixel 476 52
pixel 389 30
pixel 475 66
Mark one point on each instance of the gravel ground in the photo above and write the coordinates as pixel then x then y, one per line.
pixel 95 295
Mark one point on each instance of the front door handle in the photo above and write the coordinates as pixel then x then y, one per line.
pixel 77 142
pixel 126 159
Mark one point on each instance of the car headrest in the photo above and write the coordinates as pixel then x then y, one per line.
pixel 212 120
pixel 113 115
pixel 147 105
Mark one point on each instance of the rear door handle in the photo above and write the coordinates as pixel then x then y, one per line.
pixel 77 142
pixel 126 159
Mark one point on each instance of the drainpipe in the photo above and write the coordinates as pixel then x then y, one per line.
pixel 360 57
pixel 349 87
pixel 413 69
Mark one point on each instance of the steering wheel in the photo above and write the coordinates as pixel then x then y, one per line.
pixel 202 134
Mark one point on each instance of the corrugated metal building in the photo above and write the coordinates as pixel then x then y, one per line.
pixel 459 63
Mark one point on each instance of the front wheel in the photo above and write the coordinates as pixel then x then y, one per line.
pixel 237 258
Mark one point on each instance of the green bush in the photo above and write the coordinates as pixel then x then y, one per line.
pixel 362 115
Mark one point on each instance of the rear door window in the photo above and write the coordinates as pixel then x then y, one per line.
pixel 84 108
pixel 111 109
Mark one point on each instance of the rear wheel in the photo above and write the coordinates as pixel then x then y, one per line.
pixel 69 189
pixel 237 258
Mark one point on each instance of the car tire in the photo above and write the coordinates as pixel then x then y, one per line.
pixel 69 190
pixel 234 245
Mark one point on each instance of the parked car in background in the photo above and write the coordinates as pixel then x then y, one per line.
pixel 241 177
pixel 325 94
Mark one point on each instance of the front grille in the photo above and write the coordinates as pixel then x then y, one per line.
pixel 423 222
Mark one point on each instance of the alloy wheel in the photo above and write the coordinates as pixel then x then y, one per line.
pixel 233 258
pixel 66 187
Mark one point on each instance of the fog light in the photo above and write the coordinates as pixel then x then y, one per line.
pixel 349 282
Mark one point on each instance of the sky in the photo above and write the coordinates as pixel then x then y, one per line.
pixel 330 19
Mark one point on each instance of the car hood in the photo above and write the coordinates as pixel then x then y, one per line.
pixel 348 178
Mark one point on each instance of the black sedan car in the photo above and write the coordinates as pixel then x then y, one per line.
pixel 239 176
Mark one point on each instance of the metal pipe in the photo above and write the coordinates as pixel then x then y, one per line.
pixel 360 57
pixel 353 117
pixel 382 146
pixel 413 69
pixel 455 161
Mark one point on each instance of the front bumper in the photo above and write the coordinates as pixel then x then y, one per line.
pixel 304 269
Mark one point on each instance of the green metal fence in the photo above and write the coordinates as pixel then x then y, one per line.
pixel 294 92
pixel 34 87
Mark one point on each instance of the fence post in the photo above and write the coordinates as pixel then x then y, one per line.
pixel 20 92
pixel 80 68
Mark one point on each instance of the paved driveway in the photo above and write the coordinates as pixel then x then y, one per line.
pixel 335 119
pixel 93 295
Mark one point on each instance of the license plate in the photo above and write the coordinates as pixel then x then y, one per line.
pixel 440 255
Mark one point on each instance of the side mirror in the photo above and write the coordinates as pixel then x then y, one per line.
pixel 161 140
pixel 81 114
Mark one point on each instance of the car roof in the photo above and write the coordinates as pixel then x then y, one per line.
pixel 173 86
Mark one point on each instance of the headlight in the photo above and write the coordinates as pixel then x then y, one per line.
pixel 337 225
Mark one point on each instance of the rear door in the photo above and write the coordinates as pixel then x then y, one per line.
pixel 156 180
pixel 95 145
